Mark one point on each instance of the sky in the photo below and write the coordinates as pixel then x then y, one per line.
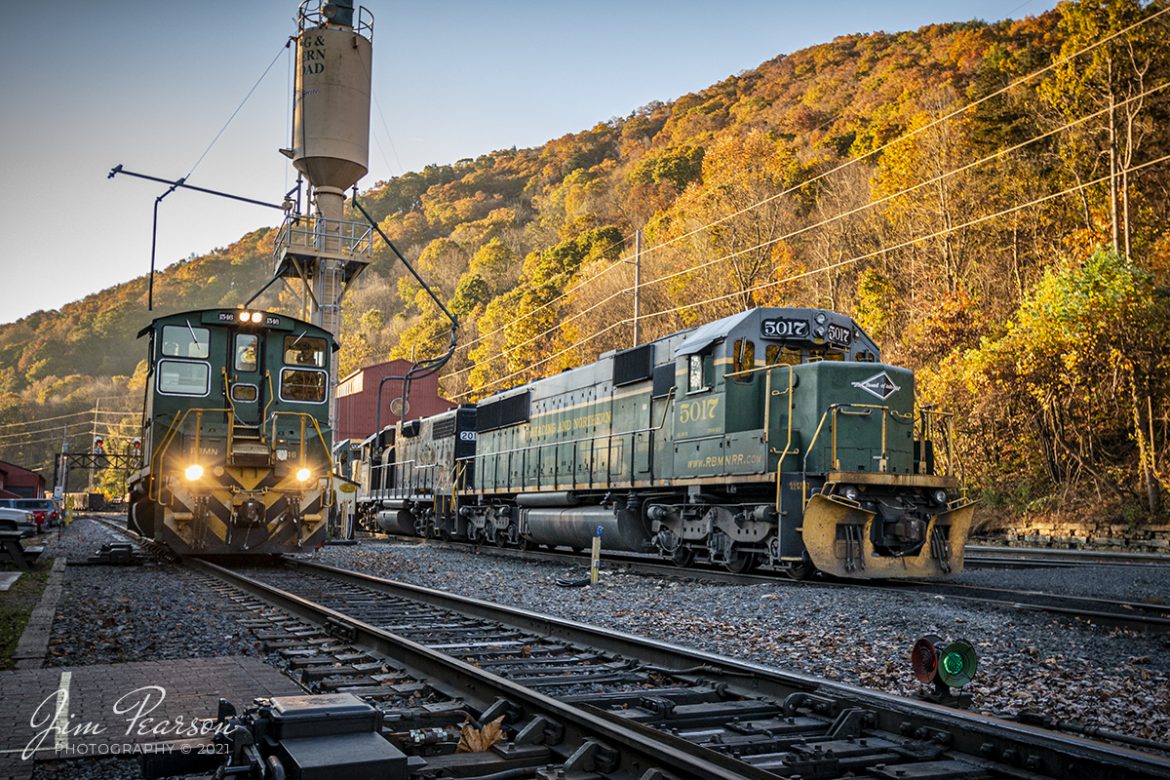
pixel 148 85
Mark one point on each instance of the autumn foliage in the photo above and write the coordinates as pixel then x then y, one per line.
pixel 1004 235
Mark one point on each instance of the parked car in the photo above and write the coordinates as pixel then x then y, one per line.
pixel 18 520
pixel 44 510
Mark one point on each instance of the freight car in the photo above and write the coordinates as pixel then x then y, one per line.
pixel 236 444
pixel 772 438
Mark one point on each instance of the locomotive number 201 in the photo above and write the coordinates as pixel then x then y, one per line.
pixel 694 411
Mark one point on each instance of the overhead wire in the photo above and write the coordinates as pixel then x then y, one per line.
pixel 851 161
pixel 795 277
pixel 829 220
pixel 390 138
pixel 85 425
pixel 912 133
pixel 247 97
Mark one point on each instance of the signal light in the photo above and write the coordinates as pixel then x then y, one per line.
pixel 98 443
pixel 945 666
pixel 136 444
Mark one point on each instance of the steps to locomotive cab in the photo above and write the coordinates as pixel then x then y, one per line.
pixel 774 437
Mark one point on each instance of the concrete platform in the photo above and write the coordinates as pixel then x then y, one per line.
pixel 84 711
pixel 8 579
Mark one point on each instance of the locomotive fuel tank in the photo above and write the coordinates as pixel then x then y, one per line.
pixel 575 526
pixel 398 521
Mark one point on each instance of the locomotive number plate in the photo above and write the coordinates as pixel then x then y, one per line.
pixel 839 334
pixel 780 328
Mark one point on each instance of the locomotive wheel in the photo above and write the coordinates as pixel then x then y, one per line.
pixel 524 544
pixel 801 571
pixel 683 556
pixel 740 562
pixel 501 539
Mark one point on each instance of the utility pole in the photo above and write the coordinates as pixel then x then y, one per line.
pixel 637 283
pixel 61 461
pixel 92 468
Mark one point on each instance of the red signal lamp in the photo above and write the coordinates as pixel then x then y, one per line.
pixel 945 665
pixel 98 443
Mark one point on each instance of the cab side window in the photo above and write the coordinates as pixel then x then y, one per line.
pixel 776 355
pixel 743 358
pixel 699 373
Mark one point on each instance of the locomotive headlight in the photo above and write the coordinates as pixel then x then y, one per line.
pixel 820 318
pixel 303 474
pixel 851 493
pixel 257 316
pixel 245 316
pixel 193 472
pixel 939 496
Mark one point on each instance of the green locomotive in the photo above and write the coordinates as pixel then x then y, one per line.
pixel 773 438
pixel 236 443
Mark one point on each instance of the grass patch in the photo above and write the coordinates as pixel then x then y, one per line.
pixel 17 603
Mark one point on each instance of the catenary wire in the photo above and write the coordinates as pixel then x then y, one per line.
pixel 852 161
pixel 833 266
pixel 829 220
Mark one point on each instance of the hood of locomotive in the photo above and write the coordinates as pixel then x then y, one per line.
pixel 874 505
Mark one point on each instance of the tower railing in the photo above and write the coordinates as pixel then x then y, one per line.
pixel 322 235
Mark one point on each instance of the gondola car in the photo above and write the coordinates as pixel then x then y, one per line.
pixel 774 437
pixel 235 442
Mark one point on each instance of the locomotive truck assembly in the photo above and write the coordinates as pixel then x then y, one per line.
pixel 774 438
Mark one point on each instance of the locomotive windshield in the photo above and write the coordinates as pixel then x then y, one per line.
pixel 179 377
pixel 304 386
pixel 185 341
pixel 304 351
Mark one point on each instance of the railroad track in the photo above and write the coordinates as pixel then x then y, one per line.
pixel 579 701
pixel 1117 613
pixel 719 716
pixel 1002 556
pixel 1128 614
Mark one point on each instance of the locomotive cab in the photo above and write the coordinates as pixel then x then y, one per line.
pixel 236 444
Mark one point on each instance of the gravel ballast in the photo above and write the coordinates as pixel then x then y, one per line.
pixel 1107 678
pixel 116 614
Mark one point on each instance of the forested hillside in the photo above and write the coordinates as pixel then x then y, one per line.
pixel 988 201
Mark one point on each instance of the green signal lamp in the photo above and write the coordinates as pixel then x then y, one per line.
pixel 958 663
pixel 945 666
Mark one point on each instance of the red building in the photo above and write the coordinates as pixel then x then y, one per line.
pixel 17 482
pixel 357 399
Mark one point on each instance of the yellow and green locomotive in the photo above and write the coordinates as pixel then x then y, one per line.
pixel 236 444
pixel 773 438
